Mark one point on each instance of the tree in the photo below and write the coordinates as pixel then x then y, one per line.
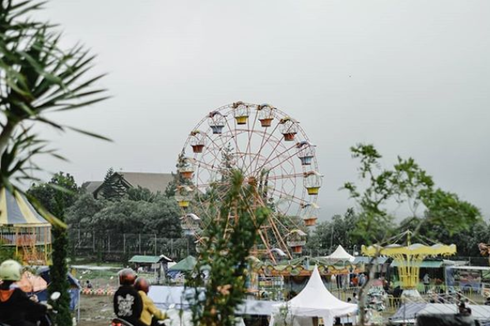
pixel 57 195
pixel 37 77
pixel 404 184
pixel 162 217
pixel 178 179
pixel 61 187
pixel 225 249
pixel 112 187
pixel 81 213
pixel 327 235
pixel 141 194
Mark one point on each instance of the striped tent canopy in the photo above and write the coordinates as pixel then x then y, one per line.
pixel 16 211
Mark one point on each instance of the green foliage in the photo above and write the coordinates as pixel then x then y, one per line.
pixel 139 212
pixel 141 194
pixel 327 235
pixel 81 213
pixel 178 180
pixel 6 252
pixel 56 196
pixel 38 77
pixel 447 210
pixel 225 249
pixel 62 187
pixel 112 188
pixel 406 183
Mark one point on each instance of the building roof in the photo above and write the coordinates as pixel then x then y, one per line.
pixel 152 181
pixel 91 186
pixel 16 210
pixel 148 259
pixel 155 182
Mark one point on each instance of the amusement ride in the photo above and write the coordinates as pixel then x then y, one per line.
pixel 272 151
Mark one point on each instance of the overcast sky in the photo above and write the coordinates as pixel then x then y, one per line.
pixel 411 77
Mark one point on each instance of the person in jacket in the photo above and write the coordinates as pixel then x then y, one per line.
pixel 150 314
pixel 127 302
pixel 16 308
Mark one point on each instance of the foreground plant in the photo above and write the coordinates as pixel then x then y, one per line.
pixel 219 278
pixel 38 76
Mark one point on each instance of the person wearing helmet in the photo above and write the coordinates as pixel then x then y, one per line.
pixel 15 306
pixel 150 314
pixel 127 301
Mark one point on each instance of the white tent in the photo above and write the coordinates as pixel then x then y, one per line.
pixel 313 301
pixel 341 255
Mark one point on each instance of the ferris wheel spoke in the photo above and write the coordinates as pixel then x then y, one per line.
pixel 260 167
pixel 284 195
pixel 264 141
pixel 249 142
pixel 207 166
pixel 280 238
pixel 286 176
pixel 280 157
pixel 235 135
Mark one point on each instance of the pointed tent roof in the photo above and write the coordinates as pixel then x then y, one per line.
pixel 341 254
pixel 16 210
pixel 316 301
pixel 186 264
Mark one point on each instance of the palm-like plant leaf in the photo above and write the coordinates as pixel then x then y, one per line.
pixel 37 76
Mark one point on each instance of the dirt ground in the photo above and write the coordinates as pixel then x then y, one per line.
pixel 95 310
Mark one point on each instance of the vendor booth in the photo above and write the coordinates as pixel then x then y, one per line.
pixel 313 301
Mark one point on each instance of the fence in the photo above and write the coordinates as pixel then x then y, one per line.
pixel 110 245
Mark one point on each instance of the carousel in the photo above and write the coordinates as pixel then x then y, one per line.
pixel 23 229
pixel 408 258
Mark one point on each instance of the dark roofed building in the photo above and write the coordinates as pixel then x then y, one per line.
pixel 154 182
pixel 122 181
pixel 91 186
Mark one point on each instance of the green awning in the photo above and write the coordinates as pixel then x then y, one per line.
pixel 425 264
pixel 145 259
pixel 186 264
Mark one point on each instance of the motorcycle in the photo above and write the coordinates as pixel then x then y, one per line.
pixel 46 320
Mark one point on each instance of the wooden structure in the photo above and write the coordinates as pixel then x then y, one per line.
pixel 22 228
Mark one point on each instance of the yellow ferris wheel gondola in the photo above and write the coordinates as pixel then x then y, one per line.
pixel 22 228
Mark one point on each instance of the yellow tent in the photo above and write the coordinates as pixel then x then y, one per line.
pixel 24 229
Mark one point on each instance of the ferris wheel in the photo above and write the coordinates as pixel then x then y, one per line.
pixel 265 144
